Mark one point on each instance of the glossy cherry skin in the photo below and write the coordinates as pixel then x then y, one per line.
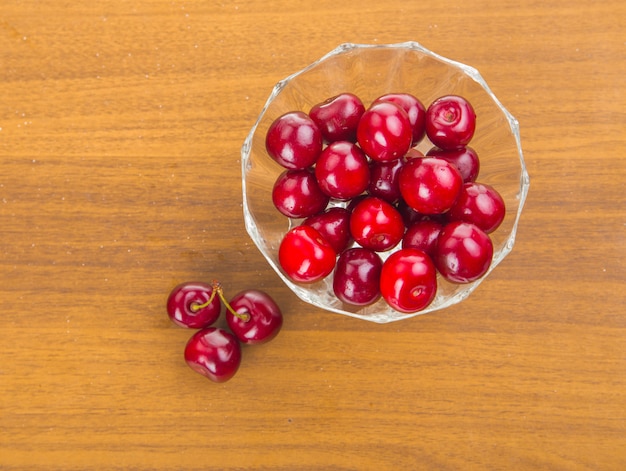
pixel 384 132
pixel 415 110
pixel 296 194
pixel 338 117
pixel 182 302
pixel 384 180
pixel 376 224
pixel 215 353
pixel 305 256
pixel 450 122
pixel 430 185
pixel 262 318
pixel 464 159
pixel 422 235
pixel 408 280
pixel 356 278
pixel 479 204
pixel 294 140
pixel 334 226
pixel 342 170
pixel 464 252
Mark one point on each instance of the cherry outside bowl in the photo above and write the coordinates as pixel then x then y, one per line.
pixel 370 71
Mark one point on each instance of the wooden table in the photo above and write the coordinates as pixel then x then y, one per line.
pixel 120 131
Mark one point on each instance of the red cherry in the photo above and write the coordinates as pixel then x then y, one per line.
pixel 430 185
pixel 357 276
pixel 450 122
pixel 408 280
pixel 464 159
pixel 415 110
pixel 376 224
pixel 384 132
pixel 254 317
pixel 193 305
pixel 294 140
pixel 464 252
pixel 338 117
pixel 384 180
pixel 479 204
pixel 342 170
pixel 214 353
pixel 305 256
pixel 334 226
pixel 422 235
pixel 296 194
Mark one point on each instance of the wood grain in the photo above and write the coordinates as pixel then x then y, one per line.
pixel 120 130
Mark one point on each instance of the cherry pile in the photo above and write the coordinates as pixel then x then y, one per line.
pixel 374 211
pixel 252 317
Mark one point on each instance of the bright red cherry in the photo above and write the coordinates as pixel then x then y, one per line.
pixel 464 159
pixel 384 132
pixel 479 204
pixel 408 280
pixel 254 317
pixel 305 256
pixel 215 353
pixel 376 224
pixel 342 170
pixel 294 140
pixel 384 180
pixel 334 226
pixel 356 279
pixel 464 252
pixel 338 117
pixel 422 235
pixel 296 194
pixel 430 185
pixel 193 305
pixel 450 122
pixel 415 110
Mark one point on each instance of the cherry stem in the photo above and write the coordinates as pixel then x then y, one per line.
pixel 217 288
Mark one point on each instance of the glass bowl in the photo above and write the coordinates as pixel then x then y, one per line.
pixel 370 71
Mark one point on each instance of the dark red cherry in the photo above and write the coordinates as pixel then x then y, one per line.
pixel 376 224
pixel 464 252
pixel 408 280
pixel 334 226
pixel 357 276
pixel 194 305
pixel 415 110
pixel 342 170
pixel 338 117
pixel 258 319
pixel 450 122
pixel 430 185
pixel 464 159
pixel 305 256
pixel 215 353
pixel 294 140
pixel 410 216
pixel 296 194
pixel 384 180
pixel 422 235
pixel 384 132
pixel 479 204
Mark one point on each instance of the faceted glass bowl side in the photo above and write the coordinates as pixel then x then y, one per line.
pixel 370 71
